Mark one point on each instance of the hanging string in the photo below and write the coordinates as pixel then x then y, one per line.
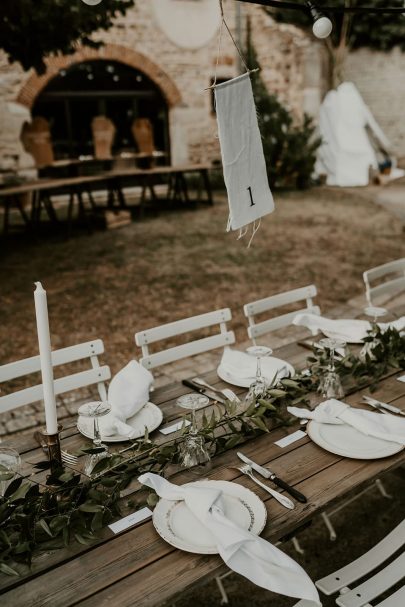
pixel 219 45
pixel 254 230
pixel 224 23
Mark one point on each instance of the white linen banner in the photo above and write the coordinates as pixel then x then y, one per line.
pixel 243 161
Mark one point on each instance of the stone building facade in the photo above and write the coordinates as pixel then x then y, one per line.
pixel 181 72
pixel 182 63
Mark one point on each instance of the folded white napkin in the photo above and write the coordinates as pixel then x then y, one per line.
pixel 243 366
pixel 128 393
pixel 351 330
pixel 243 552
pixel 381 425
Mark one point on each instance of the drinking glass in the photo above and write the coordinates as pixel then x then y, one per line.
pixel 260 384
pixel 10 464
pixel 94 411
pixel 193 450
pixel 331 385
pixel 375 312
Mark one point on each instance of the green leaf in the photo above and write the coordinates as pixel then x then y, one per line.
pixel 58 523
pixel 250 410
pixel 13 486
pixel 232 442
pixel 4 537
pixel 79 538
pixel 102 465
pixel 276 392
pixel 21 548
pixel 6 476
pixel 107 481
pixel 267 405
pixel 152 499
pixel 8 570
pixel 93 450
pixel 44 465
pixel 20 493
pixel 42 522
pixel 260 424
pixel 66 477
pixel 89 507
pixel 97 521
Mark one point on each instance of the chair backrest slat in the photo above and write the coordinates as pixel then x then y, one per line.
pixel 59 357
pixel 223 339
pixel 185 350
pixel 275 301
pixel 185 325
pixel 272 324
pixel 369 561
pixel 61 385
pixel 393 286
pixel 96 375
pixel 374 586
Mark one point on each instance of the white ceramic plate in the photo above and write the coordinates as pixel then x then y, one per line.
pixel 345 440
pixel 244 382
pixel 180 528
pixel 150 416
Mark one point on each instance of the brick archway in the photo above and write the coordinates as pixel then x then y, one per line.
pixel 109 52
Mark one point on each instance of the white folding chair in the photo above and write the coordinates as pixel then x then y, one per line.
pixel 394 271
pixel 96 375
pixel 375 586
pixel 260 306
pixel 222 339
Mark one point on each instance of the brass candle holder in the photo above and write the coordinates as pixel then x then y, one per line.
pixel 51 444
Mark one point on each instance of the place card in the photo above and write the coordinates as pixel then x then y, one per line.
pixel 291 438
pixel 130 520
pixel 402 378
pixel 174 427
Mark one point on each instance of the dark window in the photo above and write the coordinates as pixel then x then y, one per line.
pixel 93 88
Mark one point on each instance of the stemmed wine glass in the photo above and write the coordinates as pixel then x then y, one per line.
pixel 331 385
pixel 94 411
pixel 260 384
pixel 193 450
pixel 375 312
pixel 10 464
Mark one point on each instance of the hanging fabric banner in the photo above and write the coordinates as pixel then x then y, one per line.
pixel 243 161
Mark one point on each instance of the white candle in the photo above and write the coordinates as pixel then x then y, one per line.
pixel 44 342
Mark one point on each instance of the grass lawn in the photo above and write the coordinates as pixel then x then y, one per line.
pixel 174 264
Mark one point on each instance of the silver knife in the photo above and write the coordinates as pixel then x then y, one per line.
pixel 190 384
pixel 377 403
pixel 266 473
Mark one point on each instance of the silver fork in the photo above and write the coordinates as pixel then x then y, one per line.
pixel 67 458
pixel 284 501
pixel 230 394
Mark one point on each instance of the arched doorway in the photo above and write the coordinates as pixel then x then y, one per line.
pixel 97 87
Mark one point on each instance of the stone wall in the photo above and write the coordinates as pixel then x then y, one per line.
pixel 380 78
pixel 181 73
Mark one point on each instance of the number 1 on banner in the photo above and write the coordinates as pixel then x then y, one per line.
pixel 252 204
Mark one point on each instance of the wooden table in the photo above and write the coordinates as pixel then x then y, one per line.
pixel 138 568
pixel 40 191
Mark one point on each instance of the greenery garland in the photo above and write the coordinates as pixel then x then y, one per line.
pixel 68 506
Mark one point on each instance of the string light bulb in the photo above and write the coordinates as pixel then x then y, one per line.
pixel 92 2
pixel 322 26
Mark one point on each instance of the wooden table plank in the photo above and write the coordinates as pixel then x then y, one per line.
pixel 119 565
